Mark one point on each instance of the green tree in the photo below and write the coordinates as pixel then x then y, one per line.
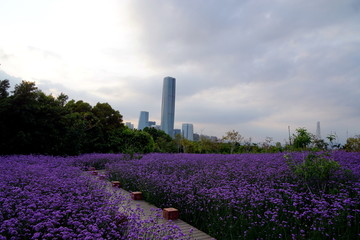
pixel 234 138
pixel 332 139
pixel 316 171
pixel 302 138
pixel 108 117
pixel 130 141
pixel 25 91
pixel 163 141
pixel 31 121
pixel 353 144
pixel 4 86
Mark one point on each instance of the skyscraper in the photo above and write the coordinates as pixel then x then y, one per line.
pixel 318 132
pixel 168 106
pixel 143 120
pixel 188 131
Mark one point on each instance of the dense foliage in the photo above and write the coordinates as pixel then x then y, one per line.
pixel 49 198
pixel 253 196
pixel 33 122
pixel 353 144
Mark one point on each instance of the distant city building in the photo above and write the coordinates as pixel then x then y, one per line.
pixel 158 127
pixel 168 106
pixel 143 120
pixel 151 123
pixel 196 137
pixel 214 138
pixel 318 132
pixel 129 125
pixel 176 132
pixel 188 131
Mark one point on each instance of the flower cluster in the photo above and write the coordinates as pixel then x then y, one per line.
pixel 44 197
pixel 246 196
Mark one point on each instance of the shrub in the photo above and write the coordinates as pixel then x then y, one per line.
pixel 318 172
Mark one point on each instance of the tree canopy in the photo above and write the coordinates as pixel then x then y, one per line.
pixel 32 122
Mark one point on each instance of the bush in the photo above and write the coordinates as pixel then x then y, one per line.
pixel 317 172
pixel 353 144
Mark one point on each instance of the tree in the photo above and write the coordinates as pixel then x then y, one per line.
pixel 4 86
pixel 130 141
pixel 25 91
pixel 353 144
pixel 332 138
pixel 302 138
pixel 206 145
pixel 233 137
pixel 109 118
pixel 267 143
pixel 319 144
pixel 62 99
pixel 163 141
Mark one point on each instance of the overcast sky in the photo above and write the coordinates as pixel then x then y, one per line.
pixel 253 66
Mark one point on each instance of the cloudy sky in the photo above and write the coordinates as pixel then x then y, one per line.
pixel 254 66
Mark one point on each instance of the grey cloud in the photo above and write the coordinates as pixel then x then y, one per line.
pixel 227 38
pixel 198 112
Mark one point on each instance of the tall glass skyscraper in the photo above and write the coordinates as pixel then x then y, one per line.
pixel 168 106
pixel 143 120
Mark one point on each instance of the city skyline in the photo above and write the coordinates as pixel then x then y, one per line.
pixel 251 66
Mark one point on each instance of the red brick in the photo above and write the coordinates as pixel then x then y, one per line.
pixel 116 184
pixel 170 213
pixel 136 196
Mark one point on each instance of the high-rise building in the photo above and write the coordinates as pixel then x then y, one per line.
pixel 176 132
pixel 129 125
pixel 188 131
pixel 151 123
pixel 168 106
pixel 318 132
pixel 143 120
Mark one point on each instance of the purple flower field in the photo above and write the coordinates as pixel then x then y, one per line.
pixel 248 196
pixel 45 197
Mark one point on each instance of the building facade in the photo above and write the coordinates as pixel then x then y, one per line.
pixel 129 125
pixel 168 106
pixel 143 120
pixel 188 131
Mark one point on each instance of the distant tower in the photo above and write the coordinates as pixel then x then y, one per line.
pixel 143 120
pixel 168 106
pixel 318 133
pixel 188 131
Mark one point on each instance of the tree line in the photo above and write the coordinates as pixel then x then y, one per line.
pixel 32 122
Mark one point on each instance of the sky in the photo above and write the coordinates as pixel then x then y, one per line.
pixel 257 67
